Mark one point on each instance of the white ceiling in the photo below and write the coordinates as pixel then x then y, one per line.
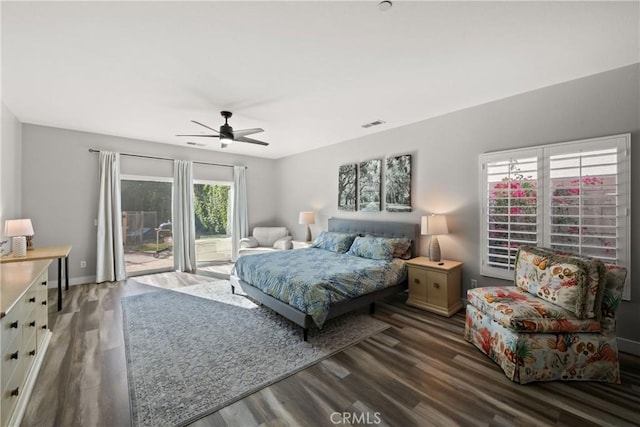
pixel 309 73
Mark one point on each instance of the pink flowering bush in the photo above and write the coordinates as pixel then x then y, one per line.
pixel 513 207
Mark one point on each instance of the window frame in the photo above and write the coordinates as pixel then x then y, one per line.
pixel 543 153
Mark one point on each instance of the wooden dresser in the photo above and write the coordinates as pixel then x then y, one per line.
pixel 24 334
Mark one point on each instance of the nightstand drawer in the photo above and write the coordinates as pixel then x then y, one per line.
pixel 437 288
pixel 417 284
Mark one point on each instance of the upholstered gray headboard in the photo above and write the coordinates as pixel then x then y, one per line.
pixel 376 228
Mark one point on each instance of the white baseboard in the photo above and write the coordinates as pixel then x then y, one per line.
pixel 629 346
pixel 73 281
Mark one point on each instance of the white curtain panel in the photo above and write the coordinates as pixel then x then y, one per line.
pixel 184 228
pixel 240 219
pixel 110 259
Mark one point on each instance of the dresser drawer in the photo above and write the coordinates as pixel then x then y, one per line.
pixel 11 325
pixel 29 351
pixel 10 396
pixel 11 365
pixel 29 301
pixel 30 323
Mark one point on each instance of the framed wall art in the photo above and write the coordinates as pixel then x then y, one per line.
pixel 397 184
pixel 348 187
pixel 369 186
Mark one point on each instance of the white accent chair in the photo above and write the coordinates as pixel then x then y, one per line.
pixel 266 239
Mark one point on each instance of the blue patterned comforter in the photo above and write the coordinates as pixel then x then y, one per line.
pixel 312 279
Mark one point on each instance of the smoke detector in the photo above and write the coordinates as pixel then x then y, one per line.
pixel 385 5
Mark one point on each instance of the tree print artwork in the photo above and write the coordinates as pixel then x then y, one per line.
pixel 347 187
pixel 398 184
pixel 369 184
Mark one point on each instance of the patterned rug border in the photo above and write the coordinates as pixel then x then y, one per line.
pixel 132 396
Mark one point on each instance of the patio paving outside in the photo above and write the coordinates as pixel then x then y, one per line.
pixel 210 251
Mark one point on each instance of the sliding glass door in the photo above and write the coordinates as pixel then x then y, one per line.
pixel 146 224
pixel 147 228
pixel 212 210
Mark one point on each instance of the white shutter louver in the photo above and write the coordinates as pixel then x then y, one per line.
pixel 583 194
pixel 512 205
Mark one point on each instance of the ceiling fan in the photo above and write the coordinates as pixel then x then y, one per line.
pixel 227 135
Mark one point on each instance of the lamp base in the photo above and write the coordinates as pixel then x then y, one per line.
pixel 308 233
pixel 434 249
pixel 19 246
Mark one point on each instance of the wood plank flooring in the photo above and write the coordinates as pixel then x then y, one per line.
pixel 419 372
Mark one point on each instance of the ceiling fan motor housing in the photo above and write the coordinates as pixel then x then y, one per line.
pixel 226 131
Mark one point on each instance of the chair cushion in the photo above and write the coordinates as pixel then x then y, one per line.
pixel 560 279
pixel 267 236
pixel 595 271
pixel 519 310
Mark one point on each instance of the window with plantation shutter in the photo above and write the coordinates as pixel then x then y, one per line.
pixel 571 196
pixel 511 204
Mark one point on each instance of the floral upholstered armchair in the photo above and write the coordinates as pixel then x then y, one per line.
pixel 556 323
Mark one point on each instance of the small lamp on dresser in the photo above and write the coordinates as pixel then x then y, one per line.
pixel 307 218
pixel 19 229
pixel 434 225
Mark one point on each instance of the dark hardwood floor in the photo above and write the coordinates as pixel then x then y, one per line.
pixel 419 372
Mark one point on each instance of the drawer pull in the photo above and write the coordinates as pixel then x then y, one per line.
pixel 416 280
pixel 436 285
pixel 32 353
pixel 14 356
pixel 14 325
pixel 44 326
pixel 32 299
pixel 14 392
pixel 44 303
pixel 32 324
pixel 44 283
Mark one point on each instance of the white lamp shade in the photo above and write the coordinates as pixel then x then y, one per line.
pixel 434 225
pixel 306 218
pixel 18 227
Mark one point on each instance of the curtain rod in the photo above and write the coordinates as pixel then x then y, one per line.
pixel 91 150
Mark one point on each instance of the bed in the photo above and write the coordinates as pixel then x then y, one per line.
pixel 279 280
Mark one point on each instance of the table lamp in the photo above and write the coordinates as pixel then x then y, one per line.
pixel 434 225
pixel 307 218
pixel 18 229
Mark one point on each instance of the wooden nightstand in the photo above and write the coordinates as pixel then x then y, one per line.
pixel 435 287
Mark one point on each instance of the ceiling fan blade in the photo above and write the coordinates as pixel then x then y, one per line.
pixel 210 128
pixel 245 132
pixel 208 136
pixel 250 140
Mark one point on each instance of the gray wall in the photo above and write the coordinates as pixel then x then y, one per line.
pixel 60 185
pixel 11 167
pixel 445 163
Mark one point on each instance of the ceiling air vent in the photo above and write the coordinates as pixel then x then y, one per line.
pixel 376 123
pixel 197 144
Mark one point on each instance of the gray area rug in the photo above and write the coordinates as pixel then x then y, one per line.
pixel 188 355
